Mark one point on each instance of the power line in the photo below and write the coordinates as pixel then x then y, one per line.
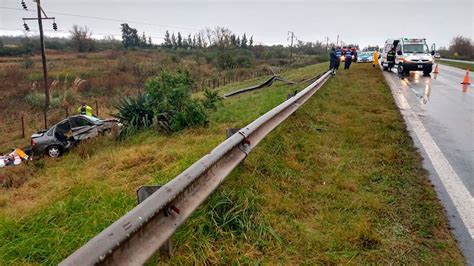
pixel 65 31
pixel 107 19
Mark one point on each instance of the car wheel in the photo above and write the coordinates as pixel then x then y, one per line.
pixel 401 70
pixel 53 151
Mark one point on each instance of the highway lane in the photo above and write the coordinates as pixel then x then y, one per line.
pixel 439 112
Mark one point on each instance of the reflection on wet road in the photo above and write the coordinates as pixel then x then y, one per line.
pixel 440 112
pixel 446 107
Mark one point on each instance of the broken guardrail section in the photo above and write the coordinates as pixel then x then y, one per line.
pixel 136 236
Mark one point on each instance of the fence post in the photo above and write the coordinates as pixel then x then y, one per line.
pixel 45 119
pixel 22 126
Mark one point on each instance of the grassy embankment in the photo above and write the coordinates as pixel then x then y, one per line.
pixel 460 65
pixel 338 182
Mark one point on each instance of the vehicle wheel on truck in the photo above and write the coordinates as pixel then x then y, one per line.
pixel 401 71
pixel 54 151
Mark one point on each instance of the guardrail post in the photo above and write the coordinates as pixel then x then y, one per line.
pixel 231 131
pixel 143 193
pixel 291 95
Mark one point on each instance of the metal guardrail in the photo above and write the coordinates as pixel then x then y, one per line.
pixel 137 235
pixel 267 83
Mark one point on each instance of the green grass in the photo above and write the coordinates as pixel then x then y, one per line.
pixel 460 65
pixel 338 182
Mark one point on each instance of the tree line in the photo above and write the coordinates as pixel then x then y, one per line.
pixel 460 48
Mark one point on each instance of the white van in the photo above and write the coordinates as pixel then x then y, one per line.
pixel 411 55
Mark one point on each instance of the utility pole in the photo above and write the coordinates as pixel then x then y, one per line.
pixel 291 47
pixel 337 42
pixel 327 44
pixel 40 19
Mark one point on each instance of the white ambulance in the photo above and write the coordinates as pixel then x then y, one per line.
pixel 411 55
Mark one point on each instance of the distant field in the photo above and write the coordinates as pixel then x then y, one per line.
pixel 339 182
pixel 457 64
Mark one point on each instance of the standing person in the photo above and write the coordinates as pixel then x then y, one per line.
pixel 391 59
pixel 85 109
pixel 338 55
pixel 333 61
pixel 354 53
pixel 348 58
pixel 376 58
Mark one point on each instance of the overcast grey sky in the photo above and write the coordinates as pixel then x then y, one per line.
pixel 356 21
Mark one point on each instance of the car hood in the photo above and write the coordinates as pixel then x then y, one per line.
pixel 420 56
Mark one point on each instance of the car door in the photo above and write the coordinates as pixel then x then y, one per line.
pixel 398 51
pixel 82 128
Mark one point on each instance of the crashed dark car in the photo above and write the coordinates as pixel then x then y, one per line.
pixel 63 135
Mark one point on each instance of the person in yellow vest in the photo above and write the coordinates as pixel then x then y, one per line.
pixel 376 58
pixel 85 109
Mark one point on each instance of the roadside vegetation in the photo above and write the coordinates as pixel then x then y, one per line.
pixel 103 72
pixel 460 65
pixel 461 48
pixel 348 182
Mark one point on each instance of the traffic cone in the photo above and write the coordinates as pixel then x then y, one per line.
pixel 436 69
pixel 466 78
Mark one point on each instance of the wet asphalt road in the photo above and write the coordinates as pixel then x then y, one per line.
pixel 445 109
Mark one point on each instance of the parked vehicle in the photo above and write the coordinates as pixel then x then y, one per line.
pixel 63 135
pixel 365 57
pixel 411 55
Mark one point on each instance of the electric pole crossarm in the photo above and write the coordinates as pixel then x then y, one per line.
pixel 53 18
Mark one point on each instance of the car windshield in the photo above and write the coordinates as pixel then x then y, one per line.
pixel 415 48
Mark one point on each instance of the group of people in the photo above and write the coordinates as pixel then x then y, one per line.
pixel 337 54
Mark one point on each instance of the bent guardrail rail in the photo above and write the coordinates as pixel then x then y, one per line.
pixel 136 236
pixel 267 83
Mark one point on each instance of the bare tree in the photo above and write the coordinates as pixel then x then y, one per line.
pixel 81 38
pixel 462 46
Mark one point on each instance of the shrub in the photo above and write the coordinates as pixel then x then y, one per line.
pixel 135 112
pixel 36 100
pixel 192 115
pixel 27 62
pixel 211 99
pixel 167 102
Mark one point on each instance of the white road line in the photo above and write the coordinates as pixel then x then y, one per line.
pixel 462 199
